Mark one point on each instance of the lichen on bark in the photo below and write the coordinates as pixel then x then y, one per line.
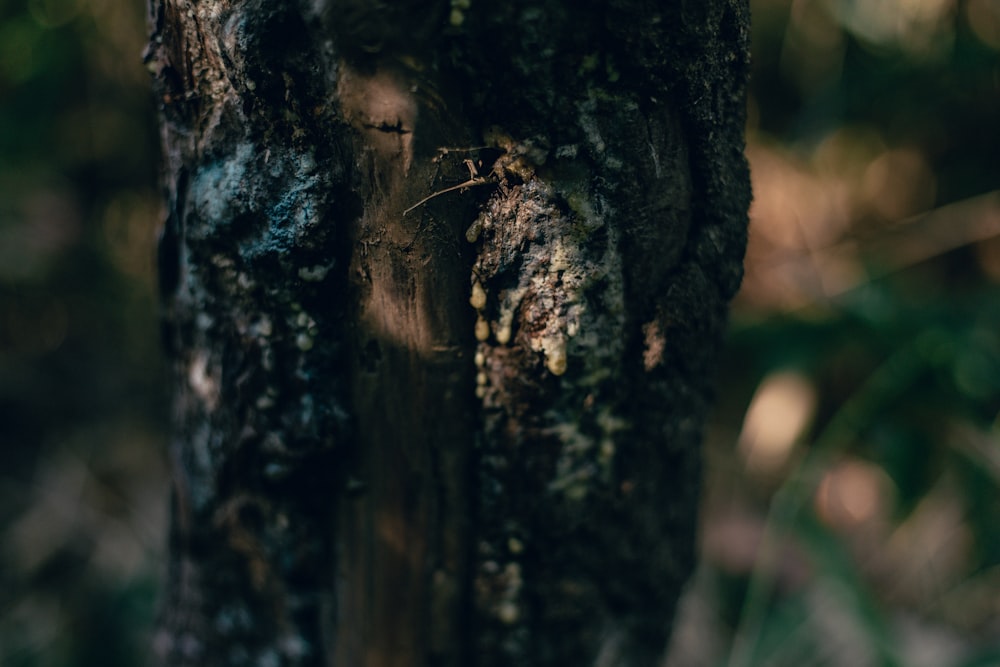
pixel 428 413
pixel 603 267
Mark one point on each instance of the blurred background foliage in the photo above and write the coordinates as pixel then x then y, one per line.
pixel 82 474
pixel 852 514
pixel 851 511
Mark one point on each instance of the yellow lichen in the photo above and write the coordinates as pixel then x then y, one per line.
pixel 482 329
pixel 554 348
pixel 505 322
pixel 478 298
pixel 560 258
pixel 472 233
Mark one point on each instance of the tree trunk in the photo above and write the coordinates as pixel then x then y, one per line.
pixel 443 285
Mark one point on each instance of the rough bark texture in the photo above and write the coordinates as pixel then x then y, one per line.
pixel 420 424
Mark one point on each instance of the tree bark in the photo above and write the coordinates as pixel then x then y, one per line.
pixel 443 287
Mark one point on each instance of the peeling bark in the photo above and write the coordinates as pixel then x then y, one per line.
pixel 443 285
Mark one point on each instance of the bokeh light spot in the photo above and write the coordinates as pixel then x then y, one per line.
pixel 779 413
